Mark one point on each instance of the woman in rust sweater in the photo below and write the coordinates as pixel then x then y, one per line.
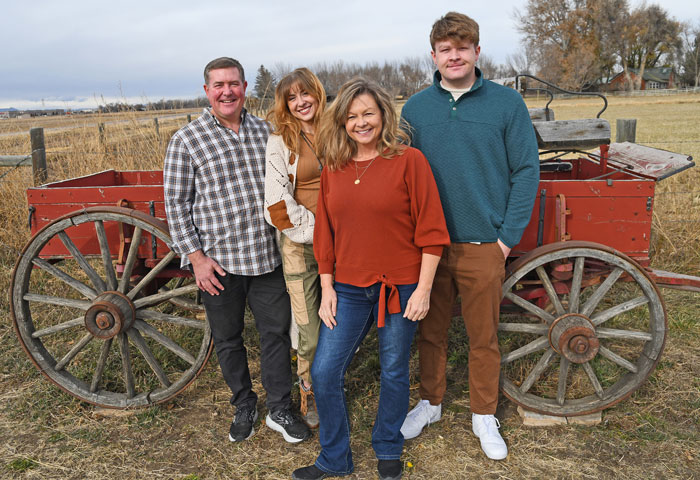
pixel 378 237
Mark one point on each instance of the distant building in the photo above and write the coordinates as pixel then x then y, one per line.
pixel 9 112
pixel 653 78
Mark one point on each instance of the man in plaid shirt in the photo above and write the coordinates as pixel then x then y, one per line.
pixel 213 179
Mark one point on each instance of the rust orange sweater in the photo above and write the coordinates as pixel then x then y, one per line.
pixel 378 229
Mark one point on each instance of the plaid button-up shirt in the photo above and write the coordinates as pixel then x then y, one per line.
pixel 213 181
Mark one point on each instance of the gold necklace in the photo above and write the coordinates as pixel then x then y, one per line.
pixel 359 175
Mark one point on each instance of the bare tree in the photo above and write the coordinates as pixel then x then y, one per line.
pixel 280 69
pixel 658 35
pixel 521 61
pixel 690 54
pixel 488 66
pixel 563 37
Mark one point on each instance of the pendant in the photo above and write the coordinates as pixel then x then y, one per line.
pixel 357 181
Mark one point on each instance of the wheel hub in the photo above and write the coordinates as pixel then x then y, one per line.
pixel 573 336
pixel 111 313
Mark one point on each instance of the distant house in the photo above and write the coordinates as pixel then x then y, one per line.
pixel 9 112
pixel 653 78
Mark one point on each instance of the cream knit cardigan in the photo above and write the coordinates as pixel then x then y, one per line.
pixel 279 187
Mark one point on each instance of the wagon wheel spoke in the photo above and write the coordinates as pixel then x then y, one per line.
pixel 532 347
pixel 101 362
pixel 161 297
pixel 561 383
pixel 536 329
pixel 152 274
pixel 618 309
pixel 126 365
pixel 140 343
pixel 575 294
pixel 632 335
pixel 164 317
pixel 151 332
pixel 130 260
pixel 63 276
pixel 534 309
pixel 593 379
pixel 60 301
pixel 549 288
pixel 536 372
pixel 106 254
pixel 74 351
pixel 600 292
pixel 59 328
pixel 94 277
pixel 615 358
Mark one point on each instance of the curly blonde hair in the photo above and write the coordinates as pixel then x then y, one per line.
pixel 335 146
pixel 287 125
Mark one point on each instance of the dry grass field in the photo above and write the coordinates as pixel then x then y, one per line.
pixel 49 434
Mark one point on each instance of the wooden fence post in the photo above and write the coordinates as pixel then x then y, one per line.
pixel 36 137
pixel 189 117
pixel 626 130
pixel 101 133
pixel 155 124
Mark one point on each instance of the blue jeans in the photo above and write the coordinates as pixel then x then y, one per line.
pixel 356 313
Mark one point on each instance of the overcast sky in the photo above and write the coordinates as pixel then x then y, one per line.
pixel 75 53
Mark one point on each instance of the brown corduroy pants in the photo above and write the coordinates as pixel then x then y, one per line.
pixel 476 273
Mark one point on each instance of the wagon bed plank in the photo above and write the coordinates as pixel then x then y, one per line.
pixel 541 114
pixel 648 161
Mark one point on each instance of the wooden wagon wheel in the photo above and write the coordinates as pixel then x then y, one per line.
pixel 584 328
pixel 113 342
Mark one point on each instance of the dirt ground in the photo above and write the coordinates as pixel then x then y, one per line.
pixel 49 434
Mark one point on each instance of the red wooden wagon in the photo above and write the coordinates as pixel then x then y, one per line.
pixel 583 322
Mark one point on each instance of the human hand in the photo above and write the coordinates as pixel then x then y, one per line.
pixel 329 304
pixel 417 305
pixel 504 249
pixel 204 268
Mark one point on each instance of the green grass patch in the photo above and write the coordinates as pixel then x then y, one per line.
pixel 20 465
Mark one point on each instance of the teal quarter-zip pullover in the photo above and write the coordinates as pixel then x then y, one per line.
pixel 482 150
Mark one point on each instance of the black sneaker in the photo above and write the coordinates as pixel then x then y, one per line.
pixel 312 472
pixel 242 425
pixel 389 469
pixel 292 428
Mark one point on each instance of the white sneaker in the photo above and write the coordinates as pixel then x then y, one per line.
pixel 486 428
pixel 421 416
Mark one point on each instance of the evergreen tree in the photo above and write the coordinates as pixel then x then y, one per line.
pixel 264 84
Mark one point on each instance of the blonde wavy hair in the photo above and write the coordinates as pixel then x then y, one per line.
pixel 334 145
pixel 287 125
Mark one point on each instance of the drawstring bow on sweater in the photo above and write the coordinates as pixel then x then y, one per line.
pixel 393 302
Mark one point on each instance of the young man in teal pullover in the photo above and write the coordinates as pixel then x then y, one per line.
pixel 481 146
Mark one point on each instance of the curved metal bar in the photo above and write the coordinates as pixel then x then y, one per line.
pixel 543 90
pixel 551 85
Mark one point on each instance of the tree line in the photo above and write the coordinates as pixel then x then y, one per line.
pixel 571 43
pixel 574 43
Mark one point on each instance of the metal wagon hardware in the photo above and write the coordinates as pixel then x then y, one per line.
pixel 104 311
